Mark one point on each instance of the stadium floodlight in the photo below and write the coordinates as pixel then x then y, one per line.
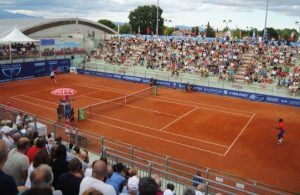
pixel 227 22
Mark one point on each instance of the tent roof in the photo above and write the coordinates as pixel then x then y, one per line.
pixel 15 36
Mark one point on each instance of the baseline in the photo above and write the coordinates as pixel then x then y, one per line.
pixel 235 140
pixel 179 135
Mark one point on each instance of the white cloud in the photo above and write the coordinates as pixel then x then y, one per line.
pixel 181 12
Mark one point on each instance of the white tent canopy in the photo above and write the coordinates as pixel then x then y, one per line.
pixel 15 36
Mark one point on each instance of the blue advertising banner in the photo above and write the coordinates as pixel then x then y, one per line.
pixel 45 42
pixel 211 90
pixel 27 70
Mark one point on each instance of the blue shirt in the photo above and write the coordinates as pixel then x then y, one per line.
pixel 117 181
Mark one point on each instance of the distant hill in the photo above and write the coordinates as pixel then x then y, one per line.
pixel 119 23
pixel 8 15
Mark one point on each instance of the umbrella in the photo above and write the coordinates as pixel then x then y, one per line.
pixel 63 92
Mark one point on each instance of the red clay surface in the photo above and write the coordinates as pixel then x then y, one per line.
pixel 232 135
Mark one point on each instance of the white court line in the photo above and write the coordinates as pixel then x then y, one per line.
pixel 179 135
pixel 155 99
pixel 239 134
pixel 156 130
pixel 33 103
pixel 125 121
pixel 162 113
pixel 178 119
pixel 38 99
pixel 107 88
pixel 166 140
pixel 85 94
pixel 180 102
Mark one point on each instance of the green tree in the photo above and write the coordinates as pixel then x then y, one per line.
pixel 210 31
pixel 108 23
pixel 125 29
pixel 144 17
pixel 272 33
pixel 286 33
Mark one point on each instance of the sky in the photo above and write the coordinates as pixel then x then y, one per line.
pixel 242 13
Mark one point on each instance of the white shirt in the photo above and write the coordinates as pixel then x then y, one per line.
pixel 90 182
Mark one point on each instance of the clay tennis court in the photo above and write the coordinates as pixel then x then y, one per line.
pixel 228 134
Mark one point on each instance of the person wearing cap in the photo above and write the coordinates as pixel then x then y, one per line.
pixel 133 185
pixel 6 136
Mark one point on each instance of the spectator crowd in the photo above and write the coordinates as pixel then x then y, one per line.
pixel 270 63
pixel 32 163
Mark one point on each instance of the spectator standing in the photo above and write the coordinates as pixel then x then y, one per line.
pixel 69 183
pixel 97 180
pixel 117 179
pixel 147 186
pixel 17 163
pixel 158 182
pixel 42 157
pixel 42 177
pixel 33 150
pixel 197 179
pixel 59 164
pixel 170 189
pixel 8 185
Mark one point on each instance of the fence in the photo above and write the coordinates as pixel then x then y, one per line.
pixel 171 170
pixel 195 79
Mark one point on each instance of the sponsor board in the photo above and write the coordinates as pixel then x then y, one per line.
pixel 211 90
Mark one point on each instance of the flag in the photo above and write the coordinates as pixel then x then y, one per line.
pixel 253 35
pixel 292 38
pixel 148 30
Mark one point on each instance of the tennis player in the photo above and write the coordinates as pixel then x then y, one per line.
pixel 52 74
pixel 281 128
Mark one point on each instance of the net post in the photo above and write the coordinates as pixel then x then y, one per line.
pixel 155 90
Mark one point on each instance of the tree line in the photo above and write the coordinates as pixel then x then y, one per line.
pixel 143 19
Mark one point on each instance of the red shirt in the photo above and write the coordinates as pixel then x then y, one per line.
pixel 32 151
pixel 281 126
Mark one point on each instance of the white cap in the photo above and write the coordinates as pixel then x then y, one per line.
pixel 133 184
pixel 6 129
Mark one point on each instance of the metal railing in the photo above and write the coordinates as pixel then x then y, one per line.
pixel 192 78
pixel 171 170
pixel 41 58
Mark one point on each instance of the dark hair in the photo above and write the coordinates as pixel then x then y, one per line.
pixel 40 142
pixel 280 120
pixel 119 167
pixel 38 191
pixel 170 186
pixel 77 149
pixel 147 186
pixel 74 165
pixel 61 152
pixel 42 157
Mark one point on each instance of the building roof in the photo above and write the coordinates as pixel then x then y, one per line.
pixel 32 25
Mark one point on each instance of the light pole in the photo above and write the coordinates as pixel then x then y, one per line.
pixel 266 19
pixel 168 21
pixel 157 17
pixel 227 22
pixel 298 24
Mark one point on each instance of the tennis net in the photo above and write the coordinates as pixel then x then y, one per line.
pixel 102 107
